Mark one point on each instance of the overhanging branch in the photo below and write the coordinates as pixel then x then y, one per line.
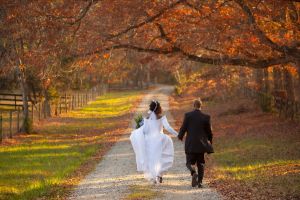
pixel 262 36
pixel 148 20
pixel 259 63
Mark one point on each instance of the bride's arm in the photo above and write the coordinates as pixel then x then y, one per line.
pixel 168 127
pixel 145 125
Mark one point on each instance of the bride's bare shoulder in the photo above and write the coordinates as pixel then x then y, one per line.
pixel 160 116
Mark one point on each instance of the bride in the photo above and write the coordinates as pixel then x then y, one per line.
pixel 153 149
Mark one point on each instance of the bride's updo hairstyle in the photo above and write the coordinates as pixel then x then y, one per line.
pixel 155 107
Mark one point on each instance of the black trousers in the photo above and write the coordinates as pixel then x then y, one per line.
pixel 196 158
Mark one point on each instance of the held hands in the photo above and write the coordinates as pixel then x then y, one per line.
pixel 181 139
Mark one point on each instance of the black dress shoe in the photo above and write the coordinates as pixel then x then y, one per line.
pixel 200 185
pixel 194 180
pixel 159 179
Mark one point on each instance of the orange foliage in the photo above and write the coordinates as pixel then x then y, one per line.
pixel 106 56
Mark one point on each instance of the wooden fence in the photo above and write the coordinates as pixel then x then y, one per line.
pixel 11 117
pixel 285 107
pixel 11 101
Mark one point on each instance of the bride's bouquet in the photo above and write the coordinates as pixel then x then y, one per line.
pixel 139 120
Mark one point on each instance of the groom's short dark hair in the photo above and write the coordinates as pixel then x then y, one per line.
pixel 197 103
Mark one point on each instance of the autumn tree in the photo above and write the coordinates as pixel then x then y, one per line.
pixel 35 37
pixel 53 40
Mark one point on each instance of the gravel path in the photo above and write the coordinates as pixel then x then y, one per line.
pixel 116 172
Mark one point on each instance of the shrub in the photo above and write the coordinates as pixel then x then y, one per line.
pixel 139 120
pixel 178 90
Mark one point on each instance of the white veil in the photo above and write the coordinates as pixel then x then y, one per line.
pixel 152 115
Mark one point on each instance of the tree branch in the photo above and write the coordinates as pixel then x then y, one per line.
pixel 75 19
pixel 224 59
pixel 84 12
pixel 258 63
pixel 127 46
pixel 210 14
pixel 216 60
pixel 262 36
pixel 148 20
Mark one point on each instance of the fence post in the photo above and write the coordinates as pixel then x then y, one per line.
pixel 18 120
pixel 80 101
pixel 66 102
pixel 32 111
pixel 15 102
pixel 59 105
pixel 43 110
pixel 77 101
pixel 10 124
pixel 72 97
pixel 39 109
pixel 78 105
pixel 1 135
pixel 83 99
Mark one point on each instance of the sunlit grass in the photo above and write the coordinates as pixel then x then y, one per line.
pixel 273 162
pixel 138 192
pixel 40 164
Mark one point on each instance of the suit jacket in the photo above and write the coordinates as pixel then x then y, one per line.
pixel 198 128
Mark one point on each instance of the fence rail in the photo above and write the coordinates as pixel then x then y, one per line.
pixel 11 120
pixel 286 108
pixel 12 101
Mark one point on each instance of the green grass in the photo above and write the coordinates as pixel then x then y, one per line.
pixel 6 122
pixel 257 155
pixel 41 163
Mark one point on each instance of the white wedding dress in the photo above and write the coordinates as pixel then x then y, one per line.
pixel 153 149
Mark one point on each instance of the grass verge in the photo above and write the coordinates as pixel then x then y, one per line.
pixel 257 155
pixel 138 192
pixel 46 165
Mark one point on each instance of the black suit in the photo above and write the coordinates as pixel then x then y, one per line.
pixel 198 128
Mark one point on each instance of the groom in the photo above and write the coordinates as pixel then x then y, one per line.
pixel 198 141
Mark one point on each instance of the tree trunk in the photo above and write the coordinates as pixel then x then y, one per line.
pixel 140 77
pixel 26 120
pixel 298 87
pixel 289 84
pixel 266 79
pixel 242 80
pixel 259 79
pixel 47 105
pixel 148 75
pixel 277 76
